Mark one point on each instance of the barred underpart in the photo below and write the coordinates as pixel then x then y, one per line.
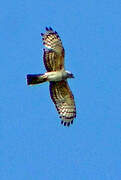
pixel 54 51
pixel 64 101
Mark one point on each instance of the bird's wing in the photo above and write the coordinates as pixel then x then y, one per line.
pixel 64 101
pixel 54 52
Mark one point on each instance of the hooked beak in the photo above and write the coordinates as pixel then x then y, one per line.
pixel 71 75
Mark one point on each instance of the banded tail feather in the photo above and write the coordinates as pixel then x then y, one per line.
pixel 33 79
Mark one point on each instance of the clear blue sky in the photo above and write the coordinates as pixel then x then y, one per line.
pixel 33 143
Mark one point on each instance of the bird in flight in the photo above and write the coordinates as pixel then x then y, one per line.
pixel 57 76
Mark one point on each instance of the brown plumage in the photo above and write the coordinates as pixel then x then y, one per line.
pixel 57 76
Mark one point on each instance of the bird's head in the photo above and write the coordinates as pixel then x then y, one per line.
pixel 69 74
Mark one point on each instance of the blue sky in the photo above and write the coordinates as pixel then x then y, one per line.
pixel 33 143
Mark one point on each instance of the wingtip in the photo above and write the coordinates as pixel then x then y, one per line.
pixel 61 122
pixel 47 29
pixel 42 34
pixel 50 29
pixel 66 123
pixel 72 122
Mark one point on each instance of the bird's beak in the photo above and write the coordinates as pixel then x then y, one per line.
pixel 72 76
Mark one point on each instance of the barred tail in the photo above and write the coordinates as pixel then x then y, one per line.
pixel 33 79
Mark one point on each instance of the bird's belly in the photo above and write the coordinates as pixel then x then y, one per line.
pixel 54 76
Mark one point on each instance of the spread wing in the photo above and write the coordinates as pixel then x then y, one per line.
pixel 64 101
pixel 54 52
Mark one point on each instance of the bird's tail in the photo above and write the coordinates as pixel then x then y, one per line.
pixel 33 79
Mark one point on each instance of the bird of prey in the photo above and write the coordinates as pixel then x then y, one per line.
pixel 57 76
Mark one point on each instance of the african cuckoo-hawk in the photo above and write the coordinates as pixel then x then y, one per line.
pixel 57 76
